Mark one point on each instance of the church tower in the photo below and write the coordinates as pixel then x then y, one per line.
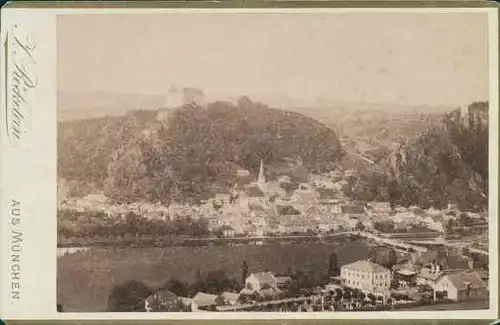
pixel 262 179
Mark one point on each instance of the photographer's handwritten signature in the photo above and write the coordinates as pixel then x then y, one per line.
pixel 21 77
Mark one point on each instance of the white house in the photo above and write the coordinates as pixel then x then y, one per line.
pixel 260 281
pixel 462 286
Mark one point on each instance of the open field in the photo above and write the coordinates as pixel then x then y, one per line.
pixel 86 278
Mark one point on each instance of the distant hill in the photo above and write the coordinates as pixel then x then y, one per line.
pixel 446 164
pixel 95 104
pixel 375 125
pixel 81 105
pixel 157 157
pixel 371 130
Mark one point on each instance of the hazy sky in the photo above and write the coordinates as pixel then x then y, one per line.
pixel 396 58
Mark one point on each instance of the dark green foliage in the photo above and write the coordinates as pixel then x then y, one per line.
pixel 137 157
pixel 333 267
pixel 177 287
pixel 360 226
pixel 441 294
pixel 447 164
pixel 244 272
pixel 128 297
pixel 96 225
pixel 384 256
pixel 309 279
pixel 289 187
pixel 215 282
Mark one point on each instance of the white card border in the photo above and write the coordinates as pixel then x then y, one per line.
pixel 28 174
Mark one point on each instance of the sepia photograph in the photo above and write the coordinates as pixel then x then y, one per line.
pixel 213 162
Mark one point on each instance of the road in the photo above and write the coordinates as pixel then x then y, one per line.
pixel 467 305
pixel 151 242
pixel 393 242
pixel 404 245
pixel 442 242
pixel 371 162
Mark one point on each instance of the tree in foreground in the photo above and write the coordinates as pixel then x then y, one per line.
pixel 177 287
pixel 384 256
pixel 333 269
pixel 244 272
pixel 128 297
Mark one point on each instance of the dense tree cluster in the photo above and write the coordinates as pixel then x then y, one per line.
pixel 384 256
pixel 128 297
pixel 446 164
pixel 139 157
pixel 77 225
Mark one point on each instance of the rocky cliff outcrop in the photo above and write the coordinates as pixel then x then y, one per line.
pixel 446 164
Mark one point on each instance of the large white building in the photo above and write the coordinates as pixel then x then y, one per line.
pixel 366 276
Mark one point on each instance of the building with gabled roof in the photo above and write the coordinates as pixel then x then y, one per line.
pixel 160 301
pixel 261 280
pixel 462 286
pixel 204 300
pixel 365 265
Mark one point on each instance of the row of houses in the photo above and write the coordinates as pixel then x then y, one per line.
pixel 326 215
pixel 453 278
pixel 260 286
pixel 457 284
pixel 236 212
pixel 274 224
pixel 102 204
pixel 271 221
pixel 445 271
